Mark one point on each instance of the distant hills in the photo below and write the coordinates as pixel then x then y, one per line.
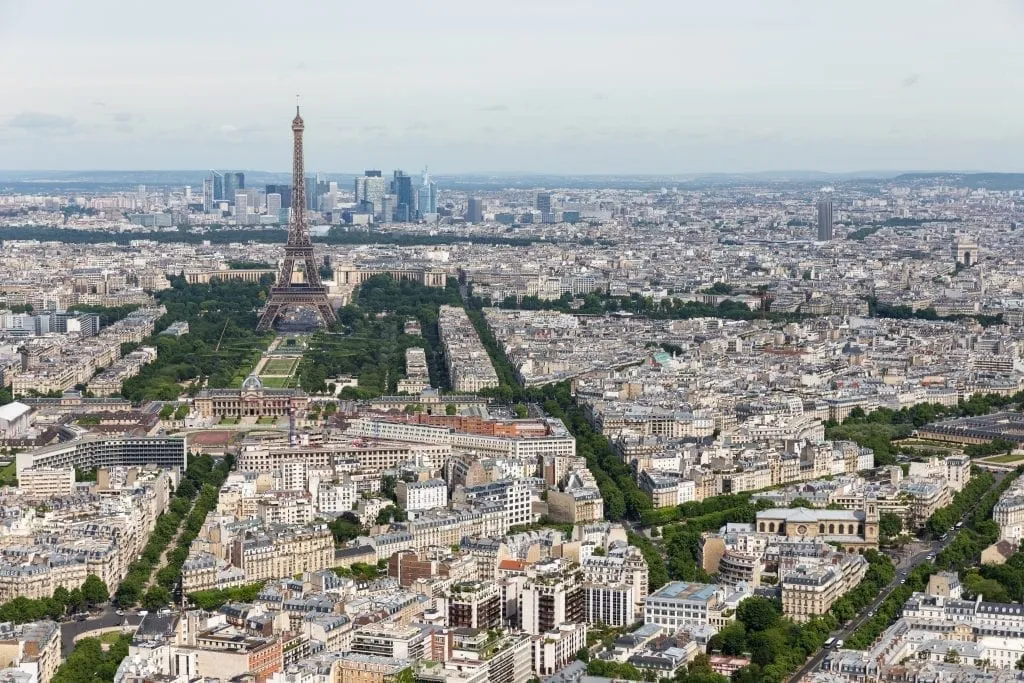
pixel 990 181
pixel 97 180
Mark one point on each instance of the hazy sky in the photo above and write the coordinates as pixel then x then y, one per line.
pixel 575 86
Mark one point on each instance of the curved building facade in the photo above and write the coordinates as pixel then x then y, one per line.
pixel 93 451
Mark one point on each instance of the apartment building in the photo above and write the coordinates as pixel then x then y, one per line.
pixel 474 604
pixel 507 657
pixel 32 649
pixel 621 565
pixel 512 496
pixel 358 667
pixel 469 366
pixel 369 456
pixel 273 552
pixel 813 587
pixel 417 375
pixel 613 604
pixel 390 640
pixel 553 594
pixel 576 506
pixel 556 649
pixel 41 483
pixel 422 495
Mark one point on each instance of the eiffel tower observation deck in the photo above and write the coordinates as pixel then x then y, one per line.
pixel 298 288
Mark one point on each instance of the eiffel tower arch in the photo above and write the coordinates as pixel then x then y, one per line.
pixel 298 284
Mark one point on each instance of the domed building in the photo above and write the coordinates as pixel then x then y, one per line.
pixel 252 400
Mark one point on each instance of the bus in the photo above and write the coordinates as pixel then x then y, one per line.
pixel 830 642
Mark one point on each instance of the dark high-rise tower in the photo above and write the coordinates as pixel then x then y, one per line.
pixel 405 204
pixel 544 203
pixel 475 210
pixel 298 285
pixel 285 191
pixel 824 220
pixel 233 182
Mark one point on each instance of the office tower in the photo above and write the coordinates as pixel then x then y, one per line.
pixel 241 207
pixel 233 182
pixel 475 210
pixel 401 187
pixel 140 196
pixel 87 325
pixel 544 203
pixel 824 220
pixel 256 199
pixel 188 194
pixel 387 208
pixel 312 194
pixel 369 191
pixel 273 204
pixel 332 198
pixel 286 194
pixel 217 186
pixel 207 194
pixel 423 200
pixel 298 285
pixel 427 195
pixel 359 192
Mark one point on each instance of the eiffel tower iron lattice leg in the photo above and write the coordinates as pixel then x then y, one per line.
pixel 308 291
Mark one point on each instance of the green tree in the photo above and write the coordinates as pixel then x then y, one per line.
pixel 758 613
pixel 800 502
pixel 450 409
pixel 156 598
pixel 387 486
pixel 734 638
pixel 583 655
pixel 94 590
pixel 890 525
pixel 76 603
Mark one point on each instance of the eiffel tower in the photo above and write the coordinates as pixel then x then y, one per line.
pixel 298 285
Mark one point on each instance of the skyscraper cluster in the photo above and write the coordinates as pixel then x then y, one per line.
pixel 397 200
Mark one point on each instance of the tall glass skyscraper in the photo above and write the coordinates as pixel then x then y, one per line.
pixel 427 195
pixel 217 185
pixel 233 182
pixel 369 191
pixel 401 187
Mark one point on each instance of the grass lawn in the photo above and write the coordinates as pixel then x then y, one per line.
pixel 110 637
pixel 266 420
pixel 1005 459
pixel 280 366
pixel 276 382
pixel 229 420
pixel 8 474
